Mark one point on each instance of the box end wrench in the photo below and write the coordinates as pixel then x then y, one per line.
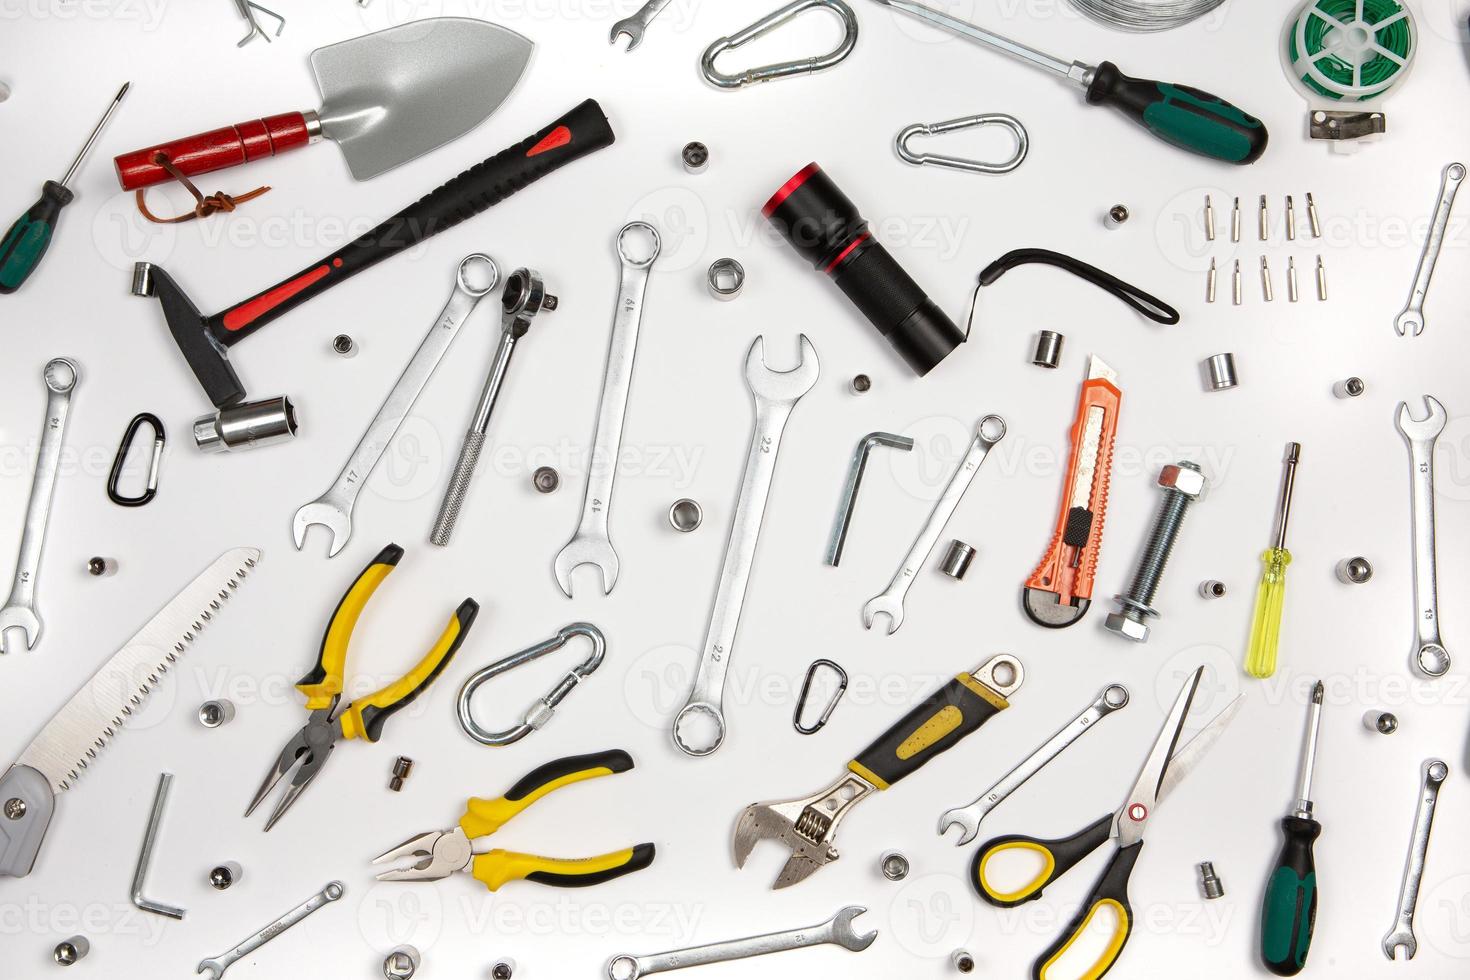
pixel 988 431
pixel 1430 655
pixel 217 965
pixel 591 544
pixel 476 276
pixel 1401 936
pixel 61 375
pixel 836 931
pixel 1412 316
pixel 699 727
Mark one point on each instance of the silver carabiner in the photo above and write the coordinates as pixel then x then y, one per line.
pixel 542 710
pixel 900 143
pixel 786 68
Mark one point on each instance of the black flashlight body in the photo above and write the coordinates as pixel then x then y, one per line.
pixel 825 228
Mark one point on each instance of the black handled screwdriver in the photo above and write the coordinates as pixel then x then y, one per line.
pixel 25 244
pixel 1289 910
pixel 1186 117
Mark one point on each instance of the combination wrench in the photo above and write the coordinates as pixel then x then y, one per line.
pixel 988 431
pixel 217 965
pixel 836 931
pixel 1430 654
pixel 477 276
pixel 635 25
pixel 699 727
pixel 591 544
pixel 1412 317
pixel 1401 936
pixel 61 376
pixel 967 818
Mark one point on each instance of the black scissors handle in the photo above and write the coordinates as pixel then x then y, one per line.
pixel 1111 893
pixel 1058 857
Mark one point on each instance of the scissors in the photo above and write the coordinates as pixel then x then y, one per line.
pixel 1163 770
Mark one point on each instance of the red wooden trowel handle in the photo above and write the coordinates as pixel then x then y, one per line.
pixel 216 149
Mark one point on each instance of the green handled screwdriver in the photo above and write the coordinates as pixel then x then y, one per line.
pixel 27 240
pixel 1260 655
pixel 1290 907
pixel 1186 117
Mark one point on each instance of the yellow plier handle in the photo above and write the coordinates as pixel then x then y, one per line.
pixel 483 817
pixel 323 684
pixel 495 868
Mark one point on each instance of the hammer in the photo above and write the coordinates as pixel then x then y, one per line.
pixel 205 341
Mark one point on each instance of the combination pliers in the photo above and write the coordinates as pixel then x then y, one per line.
pixel 441 853
pixel 363 718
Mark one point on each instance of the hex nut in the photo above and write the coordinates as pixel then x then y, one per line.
pixel 546 479
pixel 1185 479
pixel 1128 627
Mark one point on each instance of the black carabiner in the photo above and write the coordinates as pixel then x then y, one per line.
pixel 151 489
pixel 806 690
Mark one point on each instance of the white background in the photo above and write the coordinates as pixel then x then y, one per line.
pixel 687 428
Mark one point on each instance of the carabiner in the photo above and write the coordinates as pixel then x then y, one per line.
pixel 806 690
pixel 542 710
pixel 900 143
pixel 150 489
pixel 786 68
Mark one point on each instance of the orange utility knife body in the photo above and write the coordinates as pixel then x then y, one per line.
pixel 1058 593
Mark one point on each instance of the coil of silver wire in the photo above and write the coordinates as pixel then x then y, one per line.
pixel 1145 16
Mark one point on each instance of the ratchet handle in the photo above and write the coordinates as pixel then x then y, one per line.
pixel 1187 117
pixel 946 716
pixel 581 131
pixel 217 149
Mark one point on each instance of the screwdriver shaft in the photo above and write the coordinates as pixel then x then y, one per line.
pixel 1074 70
pixel 96 132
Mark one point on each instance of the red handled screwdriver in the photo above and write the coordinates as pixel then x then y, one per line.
pixel 26 242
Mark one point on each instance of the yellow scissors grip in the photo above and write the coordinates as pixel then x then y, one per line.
pixel 1109 894
pixel 324 682
pixel 1029 890
pixel 483 817
pixel 495 868
pixel 1058 857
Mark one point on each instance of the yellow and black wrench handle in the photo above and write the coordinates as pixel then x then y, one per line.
pixel 495 868
pixel 946 716
pixel 483 817
pixel 1057 857
pixel 1111 893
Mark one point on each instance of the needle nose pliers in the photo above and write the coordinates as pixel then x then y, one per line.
pixel 441 853
pixel 363 718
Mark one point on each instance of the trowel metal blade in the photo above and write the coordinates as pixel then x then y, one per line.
pixel 393 95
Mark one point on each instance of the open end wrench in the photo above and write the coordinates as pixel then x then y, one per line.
pixel 1401 936
pixel 1430 655
pixel 477 275
pixel 837 931
pixel 699 728
pixel 1412 317
pixel 216 966
pixel 61 376
pixel 635 25
pixel 967 818
pixel 591 544
pixel 988 431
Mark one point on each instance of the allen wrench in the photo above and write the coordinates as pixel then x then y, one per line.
pixel 901 141
pixel 145 856
pixel 806 690
pixel 544 707
pixel 784 69
pixel 854 480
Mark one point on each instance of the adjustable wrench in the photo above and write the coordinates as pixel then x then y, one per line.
pixel 591 545
pixel 776 394
pixel 61 376
pixel 1412 317
pixel 837 931
pixel 217 965
pixel 477 275
pixel 635 25
pixel 1401 936
pixel 1430 654
pixel 988 431
pixel 967 818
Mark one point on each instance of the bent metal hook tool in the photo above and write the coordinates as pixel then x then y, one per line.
pixel 855 472
pixel 699 728
pixel 476 276
pixel 989 431
pixel 1430 655
pixel 591 544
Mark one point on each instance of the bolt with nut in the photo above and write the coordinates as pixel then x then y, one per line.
pixel 1182 485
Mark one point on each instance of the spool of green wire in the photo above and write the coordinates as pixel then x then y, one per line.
pixel 1350 50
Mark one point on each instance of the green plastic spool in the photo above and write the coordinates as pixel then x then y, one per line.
pixel 1350 50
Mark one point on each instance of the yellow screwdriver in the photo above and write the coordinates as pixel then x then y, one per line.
pixel 1260 658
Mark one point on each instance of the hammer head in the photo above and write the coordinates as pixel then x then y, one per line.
pixel 206 357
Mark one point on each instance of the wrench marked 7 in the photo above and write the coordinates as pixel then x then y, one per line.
pixel 1401 936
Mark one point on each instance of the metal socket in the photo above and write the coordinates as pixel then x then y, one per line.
pixel 246 426
pixel 1212 589
pixel 1354 571
pixel 895 866
pixel 1220 372
pixel 1349 388
pixel 1382 722
pixel 1048 349
pixel 217 712
pixel 402 963
pixel 223 876
pixel 861 384
pixel 962 961
pixel 68 951
pixel 546 479
pixel 1210 882
pixel 695 156
pixel 957 559
pixel 726 278
pixel 1117 215
pixel 685 515
pixel 402 766
pixel 503 970
pixel 99 567
pixel 344 345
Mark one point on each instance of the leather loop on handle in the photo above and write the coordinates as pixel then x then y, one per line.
pixel 217 149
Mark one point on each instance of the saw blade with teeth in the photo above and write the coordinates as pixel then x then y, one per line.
pixel 85 724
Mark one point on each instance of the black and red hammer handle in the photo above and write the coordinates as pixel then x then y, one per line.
pixel 582 131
